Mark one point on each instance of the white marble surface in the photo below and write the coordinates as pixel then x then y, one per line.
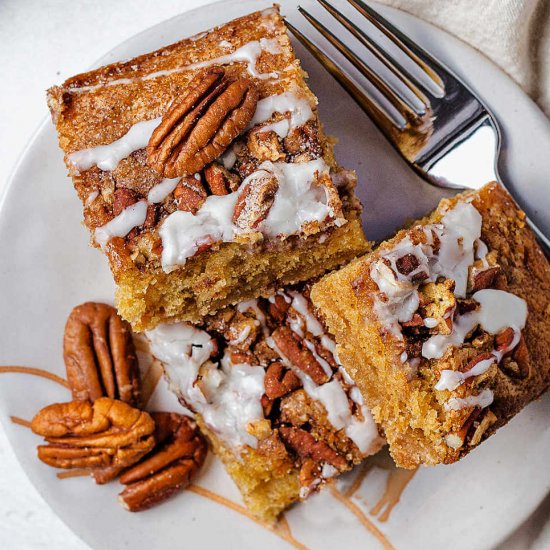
pixel 44 42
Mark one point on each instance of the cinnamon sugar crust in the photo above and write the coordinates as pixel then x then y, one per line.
pixel 101 106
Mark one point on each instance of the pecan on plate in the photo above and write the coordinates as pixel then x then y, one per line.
pixel 199 126
pixel 255 199
pixel 106 433
pixel 99 354
pixel 178 456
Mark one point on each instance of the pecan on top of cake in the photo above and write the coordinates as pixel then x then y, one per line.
pixel 264 378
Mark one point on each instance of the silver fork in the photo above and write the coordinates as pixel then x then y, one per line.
pixel 436 123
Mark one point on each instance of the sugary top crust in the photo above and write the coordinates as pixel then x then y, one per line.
pixel 114 104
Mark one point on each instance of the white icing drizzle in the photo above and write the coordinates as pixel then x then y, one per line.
pixel 451 379
pixel 248 53
pixel 363 432
pixel 459 245
pixel 297 202
pixel 121 225
pixel 457 232
pixel 271 45
pixel 497 310
pixel 182 233
pixel 228 398
pixel 299 199
pixel 107 157
pixel 160 191
pixel 298 108
pixel 484 399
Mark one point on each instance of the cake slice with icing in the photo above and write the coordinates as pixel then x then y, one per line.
pixel 264 381
pixel 444 328
pixel 204 172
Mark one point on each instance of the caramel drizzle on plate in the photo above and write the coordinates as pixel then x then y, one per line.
pixel 281 529
pixel 360 515
pixel 36 372
pixel 396 483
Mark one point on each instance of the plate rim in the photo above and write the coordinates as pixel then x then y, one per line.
pixel 522 515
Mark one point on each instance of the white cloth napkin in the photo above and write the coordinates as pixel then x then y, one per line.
pixel 515 34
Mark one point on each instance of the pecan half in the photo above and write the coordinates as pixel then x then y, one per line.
pixel 298 354
pixel 99 355
pixel 107 433
pixel 200 126
pixel 178 456
pixel 279 381
pixel 306 446
pixel 255 200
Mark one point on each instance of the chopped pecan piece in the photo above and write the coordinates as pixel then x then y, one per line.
pixel 190 194
pixel 279 381
pixel 220 180
pixel 107 433
pixel 309 472
pixel 99 355
pixel 485 278
pixel 177 457
pixel 479 428
pixel 306 446
pixel 303 143
pixel 278 308
pixel 504 339
pixel 265 145
pixel 299 355
pixel 123 198
pixel 255 200
pixel 200 126
pixel 407 264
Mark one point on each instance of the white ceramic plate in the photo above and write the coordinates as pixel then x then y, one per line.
pixel 47 268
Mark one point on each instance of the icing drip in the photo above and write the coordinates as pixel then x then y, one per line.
pixel 498 310
pixel 298 109
pixel 249 54
pixel 121 225
pixel 297 202
pixel 107 157
pixel 459 229
pixel 160 191
pixel 228 398
pixel 484 399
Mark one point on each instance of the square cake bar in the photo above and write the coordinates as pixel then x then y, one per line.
pixel 204 172
pixel 265 385
pixel 444 328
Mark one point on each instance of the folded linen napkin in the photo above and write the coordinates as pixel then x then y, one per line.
pixel 514 34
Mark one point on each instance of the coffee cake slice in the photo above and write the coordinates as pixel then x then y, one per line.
pixel 444 328
pixel 266 387
pixel 204 172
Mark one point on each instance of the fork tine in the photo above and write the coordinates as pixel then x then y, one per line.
pixel 369 106
pixel 409 80
pixel 397 102
pixel 421 57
